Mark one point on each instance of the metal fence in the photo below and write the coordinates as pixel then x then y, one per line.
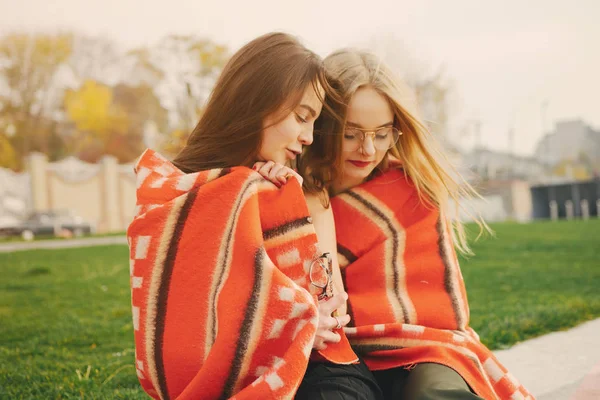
pixel 566 201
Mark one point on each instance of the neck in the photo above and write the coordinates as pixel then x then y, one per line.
pixel 345 183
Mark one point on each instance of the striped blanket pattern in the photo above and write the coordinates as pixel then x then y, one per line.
pixel 218 262
pixel 407 297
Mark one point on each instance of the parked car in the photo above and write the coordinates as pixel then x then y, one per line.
pixel 62 223
pixel 8 225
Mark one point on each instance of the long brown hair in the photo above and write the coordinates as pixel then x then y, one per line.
pixel 435 179
pixel 268 75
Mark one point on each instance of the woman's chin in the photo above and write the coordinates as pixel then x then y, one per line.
pixel 356 177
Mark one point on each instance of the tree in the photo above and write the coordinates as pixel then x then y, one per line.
pixel 73 94
pixel 94 116
pixel 144 110
pixel 95 58
pixel 28 67
pixel 140 68
pixel 175 141
pixel 433 94
pixel 8 155
pixel 111 120
pixel 433 90
pixel 91 109
pixel 182 70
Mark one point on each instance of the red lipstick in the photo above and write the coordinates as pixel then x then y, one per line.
pixel 360 164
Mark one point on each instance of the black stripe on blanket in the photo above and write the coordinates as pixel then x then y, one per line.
pixel 395 247
pixel 346 253
pixel 163 292
pixel 366 349
pixel 246 329
pixel 449 283
pixel 224 261
pixel 285 228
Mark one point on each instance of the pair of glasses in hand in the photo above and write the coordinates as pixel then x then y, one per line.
pixel 320 275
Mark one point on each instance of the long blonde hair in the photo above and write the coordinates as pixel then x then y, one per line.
pixel 423 161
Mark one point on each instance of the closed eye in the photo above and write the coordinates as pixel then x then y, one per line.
pixel 300 118
pixel 383 133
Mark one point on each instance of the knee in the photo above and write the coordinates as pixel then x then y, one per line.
pixel 435 381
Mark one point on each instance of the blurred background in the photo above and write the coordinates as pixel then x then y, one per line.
pixel 510 88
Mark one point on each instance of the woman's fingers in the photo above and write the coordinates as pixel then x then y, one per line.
pixel 328 336
pixel 277 170
pixel 319 344
pixel 331 323
pixel 327 322
pixel 266 168
pixel 343 321
pixel 276 173
pixel 289 173
pixel 325 332
pixel 325 336
pixel 331 304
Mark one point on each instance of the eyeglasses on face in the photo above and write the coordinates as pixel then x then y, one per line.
pixel 383 138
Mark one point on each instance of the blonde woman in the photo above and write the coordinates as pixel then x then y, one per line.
pixel 389 187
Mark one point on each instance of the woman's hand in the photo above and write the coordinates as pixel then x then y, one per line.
pixel 276 173
pixel 327 322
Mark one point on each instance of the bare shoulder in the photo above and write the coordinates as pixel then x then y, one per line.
pixel 322 217
pixel 316 203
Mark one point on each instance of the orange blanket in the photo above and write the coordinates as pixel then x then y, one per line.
pixel 219 284
pixel 406 293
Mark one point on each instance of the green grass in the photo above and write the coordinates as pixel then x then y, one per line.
pixel 533 279
pixel 66 330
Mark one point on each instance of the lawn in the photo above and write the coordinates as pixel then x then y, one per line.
pixel 66 330
pixel 533 279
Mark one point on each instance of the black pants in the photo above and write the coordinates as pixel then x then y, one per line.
pixel 327 381
pixel 427 381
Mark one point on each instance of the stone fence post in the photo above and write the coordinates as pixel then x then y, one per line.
pixel 37 164
pixel 110 202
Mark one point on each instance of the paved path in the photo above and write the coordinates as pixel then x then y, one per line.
pixel 557 366
pixel 61 243
pixel 590 387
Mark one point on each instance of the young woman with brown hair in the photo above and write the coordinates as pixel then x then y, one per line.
pixel 223 262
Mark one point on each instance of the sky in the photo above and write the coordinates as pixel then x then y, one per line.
pixel 514 65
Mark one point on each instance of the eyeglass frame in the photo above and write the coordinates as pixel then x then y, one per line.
pixel 326 289
pixel 372 133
